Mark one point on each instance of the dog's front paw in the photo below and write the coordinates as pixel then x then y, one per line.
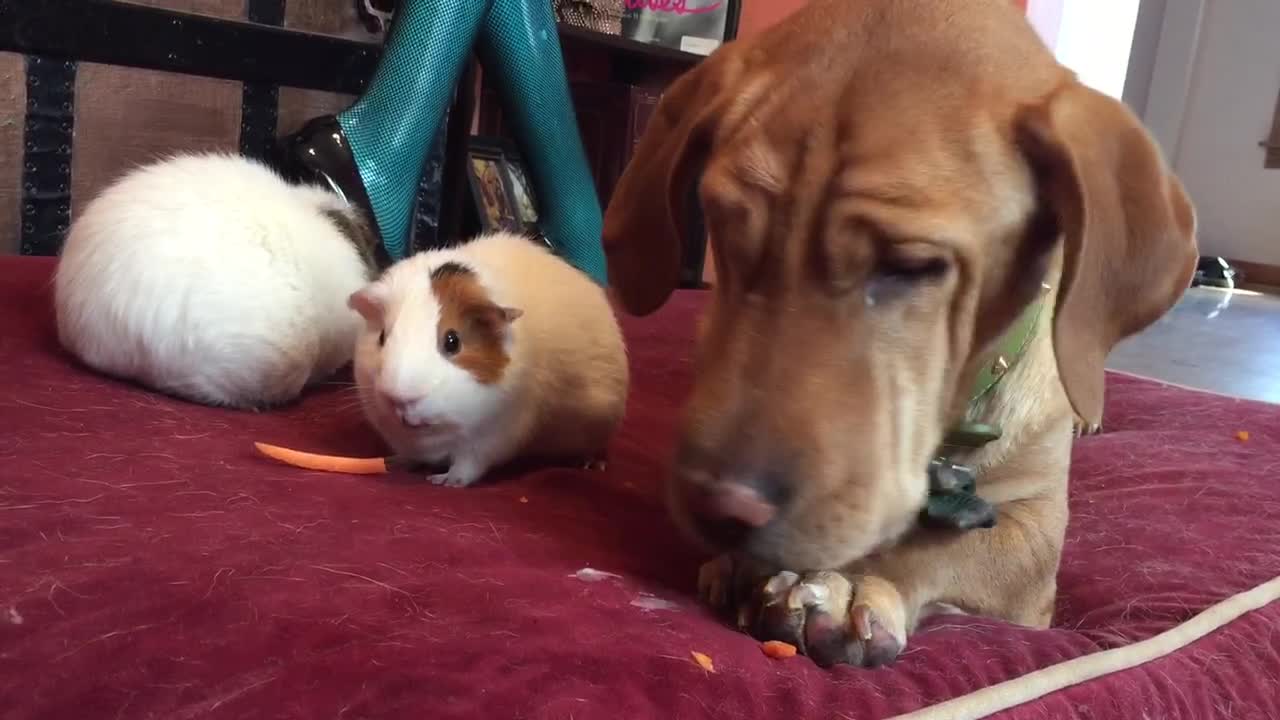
pixel 829 616
pixel 1081 427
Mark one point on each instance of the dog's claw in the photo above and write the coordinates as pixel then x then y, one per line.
pixel 777 615
pixel 1081 427
pixel 862 620
pixel 829 616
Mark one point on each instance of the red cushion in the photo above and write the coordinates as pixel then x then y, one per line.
pixel 152 565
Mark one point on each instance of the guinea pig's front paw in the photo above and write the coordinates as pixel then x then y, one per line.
pixel 461 474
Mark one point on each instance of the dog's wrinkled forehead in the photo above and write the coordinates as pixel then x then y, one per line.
pixel 905 160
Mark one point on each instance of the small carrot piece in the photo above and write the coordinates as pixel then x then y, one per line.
pixel 1242 435
pixel 778 650
pixel 325 463
pixel 704 661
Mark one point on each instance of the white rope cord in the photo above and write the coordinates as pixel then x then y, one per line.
pixel 989 700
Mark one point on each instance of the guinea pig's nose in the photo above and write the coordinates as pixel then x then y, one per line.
pixel 729 509
pixel 399 403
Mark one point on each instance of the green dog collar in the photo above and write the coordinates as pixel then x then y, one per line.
pixel 953 501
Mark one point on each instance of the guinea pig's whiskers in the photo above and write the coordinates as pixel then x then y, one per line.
pixel 350 404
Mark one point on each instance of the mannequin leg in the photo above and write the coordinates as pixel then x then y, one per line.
pixel 392 127
pixel 374 152
pixel 520 49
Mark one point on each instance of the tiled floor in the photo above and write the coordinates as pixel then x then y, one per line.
pixel 1219 340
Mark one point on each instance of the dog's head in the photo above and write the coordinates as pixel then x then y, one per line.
pixel 886 185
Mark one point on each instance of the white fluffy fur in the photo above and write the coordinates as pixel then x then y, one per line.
pixel 561 396
pixel 210 278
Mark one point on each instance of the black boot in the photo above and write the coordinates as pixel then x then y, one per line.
pixel 319 154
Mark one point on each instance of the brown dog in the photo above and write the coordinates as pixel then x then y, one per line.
pixel 890 186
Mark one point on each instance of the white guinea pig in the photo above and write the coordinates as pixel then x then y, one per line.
pixel 210 278
pixel 487 352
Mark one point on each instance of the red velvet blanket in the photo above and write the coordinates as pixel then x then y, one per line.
pixel 153 566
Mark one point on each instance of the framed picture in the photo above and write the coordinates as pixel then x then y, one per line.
pixel 504 198
pixel 693 26
pixel 526 209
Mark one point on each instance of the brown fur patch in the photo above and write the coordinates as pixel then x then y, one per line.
pixel 465 308
pixel 356 228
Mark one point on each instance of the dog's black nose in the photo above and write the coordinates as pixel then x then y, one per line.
pixel 728 511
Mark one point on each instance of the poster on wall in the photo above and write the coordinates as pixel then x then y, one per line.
pixel 693 26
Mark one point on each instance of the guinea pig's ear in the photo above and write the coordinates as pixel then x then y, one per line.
pixel 370 302
pixel 492 317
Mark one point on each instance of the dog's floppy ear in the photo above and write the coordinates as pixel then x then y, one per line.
pixel 647 214
pixel 1127 224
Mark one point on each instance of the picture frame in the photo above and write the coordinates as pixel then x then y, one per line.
pixel 501 192
pixel 693 26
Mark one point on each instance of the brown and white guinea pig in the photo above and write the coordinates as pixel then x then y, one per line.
pixel 490 351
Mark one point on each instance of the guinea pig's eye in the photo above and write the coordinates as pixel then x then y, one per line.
pixel 382 338
pixel 451 343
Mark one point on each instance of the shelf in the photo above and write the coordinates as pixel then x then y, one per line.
pixel 631 49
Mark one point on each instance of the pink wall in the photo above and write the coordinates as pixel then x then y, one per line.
pixel 760 14
pixel 1046 17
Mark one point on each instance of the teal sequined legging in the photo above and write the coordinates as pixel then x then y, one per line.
pixel 392 127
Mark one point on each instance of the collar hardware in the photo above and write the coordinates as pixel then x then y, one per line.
pixel 953 502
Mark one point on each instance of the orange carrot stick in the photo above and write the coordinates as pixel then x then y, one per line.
pixel 777 649
pixel 703 660
pixel 325 463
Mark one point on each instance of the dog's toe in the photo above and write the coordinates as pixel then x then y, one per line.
pixel 854 624
pixel 881 646
pixel 829 638
pixel 775 611
pixel 715 582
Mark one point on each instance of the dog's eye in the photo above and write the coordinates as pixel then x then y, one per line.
pixel 912 268
pixel 897 274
